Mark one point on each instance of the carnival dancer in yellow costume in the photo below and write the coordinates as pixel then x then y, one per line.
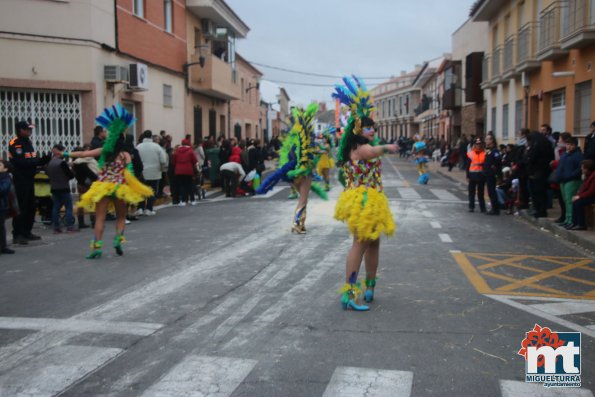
pixel 325 161
pixel 296 162
pixel 362 205
pixel 116 186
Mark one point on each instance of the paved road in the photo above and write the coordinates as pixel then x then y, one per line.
pixel 220 299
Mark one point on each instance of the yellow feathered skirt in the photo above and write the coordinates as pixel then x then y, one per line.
pixel 366 212
pixel 132 191
pixel 324 162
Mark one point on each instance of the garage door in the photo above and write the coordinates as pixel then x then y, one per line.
pixel 56 114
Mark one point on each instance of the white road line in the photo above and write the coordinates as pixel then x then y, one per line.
pixel 54 370
pixel 423 207
pixel 445 238
pixel 514 388
pixel 353 381
pixel 443 194
pixel 568 307
pixel 408 193
pixel 271 192
pixel 431 201
pixel 71 325
pixel 428 214
pixel 542 314
pixel 246 335
pixel 202 376
pixel 591 327
pixel 436 225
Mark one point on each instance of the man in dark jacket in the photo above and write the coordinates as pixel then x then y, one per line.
pixel 25 161
pixel 538 156
pixel 60 175
pixel 590 144
pixel 491 170
pixel 99 135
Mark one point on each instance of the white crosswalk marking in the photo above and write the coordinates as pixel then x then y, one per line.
pixel 73 325
pixel 444 194
pixel 202 376
pixel 513 388
pixel 54 370
pixel 353 381
pixel 408 193
pixel 436 225
pixel 445 238
pixel 270 193
pixel 568 307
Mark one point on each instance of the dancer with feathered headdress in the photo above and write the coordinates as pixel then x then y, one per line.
pixel 325 160
pixel 116 185
pixel 362 205
pixel 296 162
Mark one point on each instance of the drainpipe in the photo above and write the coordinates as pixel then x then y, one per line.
pixel 228 118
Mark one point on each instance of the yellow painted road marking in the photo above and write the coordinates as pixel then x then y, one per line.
pixel 480 273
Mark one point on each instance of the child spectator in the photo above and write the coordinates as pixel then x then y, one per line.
pixel 568 174
pixel 60 175
pixel 5 191
pixel 584 197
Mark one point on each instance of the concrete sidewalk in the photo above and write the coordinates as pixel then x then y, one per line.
pixel 584 239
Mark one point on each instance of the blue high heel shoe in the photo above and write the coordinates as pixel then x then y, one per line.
pixel 349 298
pixel 369 294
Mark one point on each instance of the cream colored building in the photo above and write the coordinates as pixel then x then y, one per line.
pixel 212 74
pixel 538 67
pixel 55 74
pixel 394 102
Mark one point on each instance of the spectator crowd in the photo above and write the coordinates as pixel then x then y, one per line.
pixel 31 183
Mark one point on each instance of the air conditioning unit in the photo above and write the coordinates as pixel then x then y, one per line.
pixel 208 28
pixel 139 77
pixel 115 74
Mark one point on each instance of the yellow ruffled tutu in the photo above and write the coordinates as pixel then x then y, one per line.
pixel 366 212
pixel 132 191
pixel 325 162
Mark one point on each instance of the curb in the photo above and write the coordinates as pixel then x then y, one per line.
pixel 570 236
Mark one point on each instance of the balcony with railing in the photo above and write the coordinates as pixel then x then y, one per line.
pixel 214 78
pixel 496 70
pixel 579 24
pixel 485 72
pixel 527 48
pixel 508 61
pixel 550 32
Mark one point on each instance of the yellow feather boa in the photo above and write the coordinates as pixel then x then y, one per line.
pixel 132 191
pixel 367 218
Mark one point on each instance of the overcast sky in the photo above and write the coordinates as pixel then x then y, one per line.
pixel 370 38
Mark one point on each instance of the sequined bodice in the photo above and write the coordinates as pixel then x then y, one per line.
pixel 112 172
pixel 363 173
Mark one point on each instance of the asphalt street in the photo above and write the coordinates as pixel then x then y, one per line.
pixel 221 299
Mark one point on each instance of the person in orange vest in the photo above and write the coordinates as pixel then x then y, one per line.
pixel 475 175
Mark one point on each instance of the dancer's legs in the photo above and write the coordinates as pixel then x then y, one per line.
pixel 354 258
pixel 100 214
pixel 371 257
pixel 121 211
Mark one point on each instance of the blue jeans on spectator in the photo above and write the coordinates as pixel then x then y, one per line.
pixel 62 199
pixel 154 184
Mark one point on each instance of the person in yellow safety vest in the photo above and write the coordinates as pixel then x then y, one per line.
pixel 475 176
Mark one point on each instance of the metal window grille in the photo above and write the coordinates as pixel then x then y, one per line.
pixel 57 116
pixel 168 100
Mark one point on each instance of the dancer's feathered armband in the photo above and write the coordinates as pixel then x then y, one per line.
pixel 115 120
pixel 356 97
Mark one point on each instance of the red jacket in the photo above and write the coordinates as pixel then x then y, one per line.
pixel 185 161
pixel 587 190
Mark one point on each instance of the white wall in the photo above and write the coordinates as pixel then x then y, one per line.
pixel 156 116
pixel 81 19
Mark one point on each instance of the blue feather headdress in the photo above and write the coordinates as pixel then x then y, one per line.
pixel 115 120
